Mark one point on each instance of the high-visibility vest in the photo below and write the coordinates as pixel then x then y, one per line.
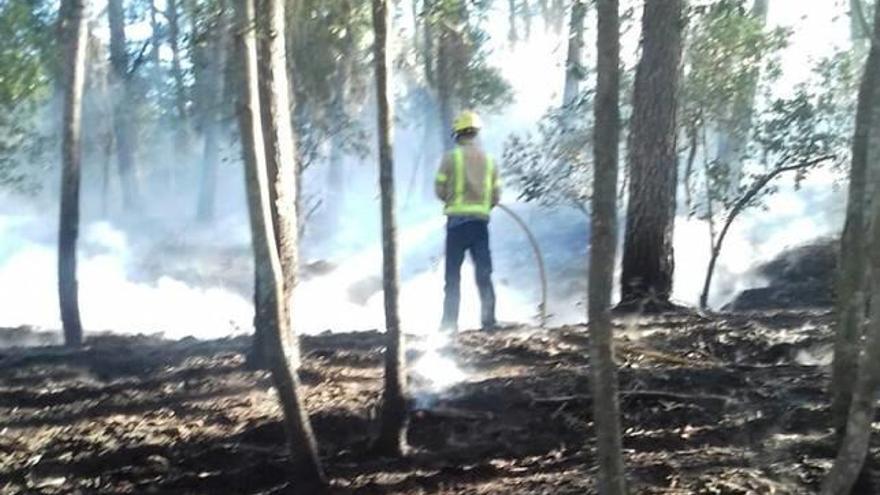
pixel 460 204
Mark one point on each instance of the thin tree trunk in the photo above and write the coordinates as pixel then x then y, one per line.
pixel 445 85
pixel 279 145
pixel 558 14
pixel 395 414
pixel 417 24
pixel 603 242
pixel 182 136
pixel 850 284
pixel 428 41
pixel 574 70
pixel 74 42
pixel 122 110
pixel 155 35
pixel 741 204
pixel 689 167
pixel 336 172
pixel 527 8
pixel 854 448
pixel 305 461
pixel 173 14
pixel 648 262
pixel 858 35
pixel 512 34
pixel 212 86
pixel 734 137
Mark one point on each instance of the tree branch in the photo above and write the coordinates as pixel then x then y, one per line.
pixel 741 205
pixel 139 60
pixel 859 13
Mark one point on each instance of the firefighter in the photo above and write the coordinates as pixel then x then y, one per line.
pixel 467 183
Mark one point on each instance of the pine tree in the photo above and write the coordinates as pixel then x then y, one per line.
pixel 648 264
pixel 603 241
pixel 395 414
pixel 271 315
pixel 74 31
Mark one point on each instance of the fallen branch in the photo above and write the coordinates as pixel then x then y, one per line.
pixel 453 413
pixel 662 356
pixel 639 394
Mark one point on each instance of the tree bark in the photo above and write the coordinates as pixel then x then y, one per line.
pixel 395 414
pixel 603 242
pixel 734 137
pixel 301 440
pixel 854 448
pixel 275 109
pixel 648 262
pixel 173 15
pixel 851 280
pixel 211 82
pixel 155 36
pixel 858 35
pixel 336 166
pixel 74 31
pixel 512 33
pixel 445 84
pixel 574 70
pixel 122 111
pixel 428 40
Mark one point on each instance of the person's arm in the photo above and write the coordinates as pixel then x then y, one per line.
pixel 496 187
pixel 442 181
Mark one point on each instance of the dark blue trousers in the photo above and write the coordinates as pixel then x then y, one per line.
pixel 472 236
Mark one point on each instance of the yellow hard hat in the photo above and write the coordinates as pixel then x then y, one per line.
pixel 467 119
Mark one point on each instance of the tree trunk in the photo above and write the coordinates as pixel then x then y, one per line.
pixel 648 262
pixel 850 284
pixel 336 170
pixel 279 146
pixel 445 85
pixel 734 136
pixel 512 34
pixel 428 41
pixel 854 448
pixel 574 70
pixel 155 35
pixel 173 14
pixel 306 463
pixel 73 29
pixel 858 35
pixel 603 241
pixel 122 109
pixel 211 83
pixel 395 414
pixel 741 204
pixel 527 8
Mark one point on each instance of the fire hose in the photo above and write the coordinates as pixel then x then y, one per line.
pixel 539 259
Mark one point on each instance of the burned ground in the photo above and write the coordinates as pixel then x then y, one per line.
pixel 730 404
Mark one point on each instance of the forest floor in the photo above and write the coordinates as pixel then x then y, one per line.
pixel 729 404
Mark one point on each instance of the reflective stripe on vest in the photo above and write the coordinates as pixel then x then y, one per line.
pixel 458 206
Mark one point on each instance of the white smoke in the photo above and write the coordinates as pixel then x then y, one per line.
pixel 116 296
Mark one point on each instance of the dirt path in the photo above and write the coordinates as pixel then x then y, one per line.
pixel 728 405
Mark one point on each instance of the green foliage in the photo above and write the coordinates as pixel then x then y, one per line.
pixel 792 131
pixel 458 25
pixel 27 48
pixel 27 65
pixel 728 51
pixel 329 46
pixel 554 167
